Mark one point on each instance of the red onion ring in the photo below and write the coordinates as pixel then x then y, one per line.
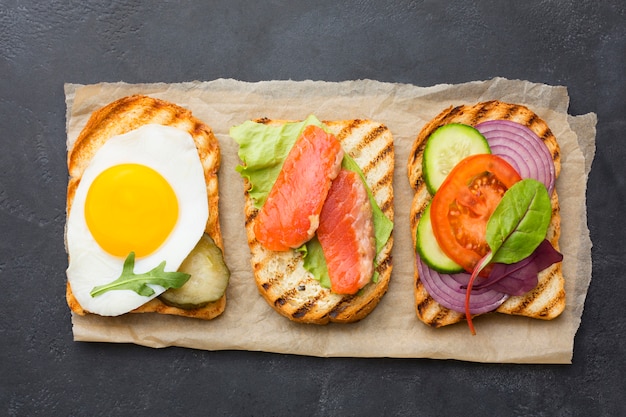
pixel 447 290
pixel 522 148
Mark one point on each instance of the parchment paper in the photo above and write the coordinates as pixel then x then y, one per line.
pixel 392 329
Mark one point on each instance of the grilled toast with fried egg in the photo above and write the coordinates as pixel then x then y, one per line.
pixel 127 114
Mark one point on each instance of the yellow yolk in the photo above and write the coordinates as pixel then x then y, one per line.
pixel 130 207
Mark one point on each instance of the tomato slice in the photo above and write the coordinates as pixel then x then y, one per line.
pixel 463 204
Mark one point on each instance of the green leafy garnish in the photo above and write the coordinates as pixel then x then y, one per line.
pixel 314 261
pixel 263 149
pixel 520 222
pixel 515 228
pixel 139 282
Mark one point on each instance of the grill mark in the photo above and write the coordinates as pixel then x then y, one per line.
pixel 479 113
pixel 418 151
pixel 284 297
pixel 119 106
pixel 458 110
pixel 428 303
pixel 340 306
pixel 371 136
pixel 414 220
pixel 251 216
pixel 384 265
pixel 545 312
pixel 387 205
pixel 440 319
pixel 545 134
pixel 293 264
pixel 305 308
pixel 423 308
pixel 199 128
pixel 366 306
pixel 272 280
pixel 384 153
pixel 347 130
pixel 530 298
pixel 385 181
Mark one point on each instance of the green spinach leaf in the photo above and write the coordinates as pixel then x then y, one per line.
pixel 520 222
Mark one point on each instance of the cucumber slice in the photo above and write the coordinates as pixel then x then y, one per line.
pixel 429 250
pixel 445 147
pixel 208 281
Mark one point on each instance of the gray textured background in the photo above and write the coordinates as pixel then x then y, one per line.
pixel 578 44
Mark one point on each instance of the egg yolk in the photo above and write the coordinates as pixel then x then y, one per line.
pixel 130 207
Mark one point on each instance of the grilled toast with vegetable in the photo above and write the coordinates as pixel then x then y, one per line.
pixel 143 232
pixel 319 214
pixel 485 215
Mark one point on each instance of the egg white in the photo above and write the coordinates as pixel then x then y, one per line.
pixel 172 153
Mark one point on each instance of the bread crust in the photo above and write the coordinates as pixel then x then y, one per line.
pixel 547 300
pixel 127 114
pixel 280 276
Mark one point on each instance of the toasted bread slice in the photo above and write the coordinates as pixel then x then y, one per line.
pixel 125 115
pixel 280 276
pixel 547 299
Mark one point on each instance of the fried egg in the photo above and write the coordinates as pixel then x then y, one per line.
pixel 143 192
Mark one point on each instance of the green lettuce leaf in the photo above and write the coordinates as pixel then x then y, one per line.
pixel 263 149
pixel 315 262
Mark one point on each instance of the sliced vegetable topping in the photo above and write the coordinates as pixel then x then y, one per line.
pixel 522 148
pixel 483 217
pixel 429 250
pixel 449 290
pixel 209 277
pixel 446 147
pixel 463 204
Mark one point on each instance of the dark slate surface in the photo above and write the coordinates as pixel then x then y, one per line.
pixel 579 44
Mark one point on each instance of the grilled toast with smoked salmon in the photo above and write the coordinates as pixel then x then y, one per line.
pixel 547 299
pixel 280 275
pixel 127 114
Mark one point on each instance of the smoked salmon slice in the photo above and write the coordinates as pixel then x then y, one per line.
pixel 290 215
pixel 346 234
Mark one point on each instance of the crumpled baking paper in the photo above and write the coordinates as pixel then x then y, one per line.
pixel 392 329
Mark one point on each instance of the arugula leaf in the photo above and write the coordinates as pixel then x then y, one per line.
pixel 128 280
